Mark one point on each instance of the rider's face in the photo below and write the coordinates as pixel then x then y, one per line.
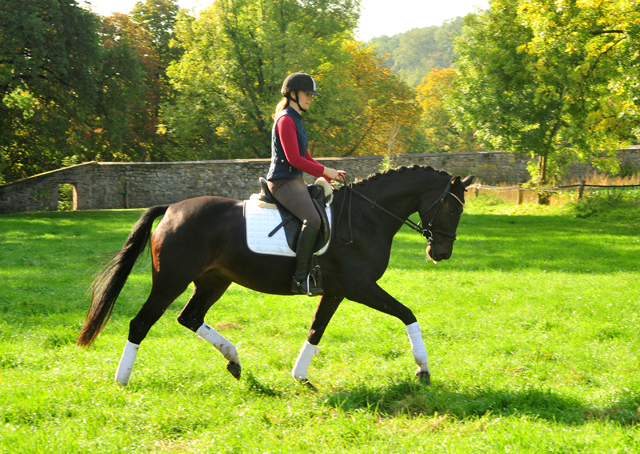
pixel 304 99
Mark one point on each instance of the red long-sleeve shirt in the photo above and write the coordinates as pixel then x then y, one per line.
pixel 286 129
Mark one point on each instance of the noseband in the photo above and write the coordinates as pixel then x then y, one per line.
pixel 426 232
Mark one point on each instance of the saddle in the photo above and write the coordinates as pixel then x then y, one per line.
pixel 321 195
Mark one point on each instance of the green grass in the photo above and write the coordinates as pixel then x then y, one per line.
pixel 531 327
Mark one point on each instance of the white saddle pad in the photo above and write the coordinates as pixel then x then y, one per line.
pixel 260 220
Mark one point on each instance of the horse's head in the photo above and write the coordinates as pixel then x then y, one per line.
pixel 440 218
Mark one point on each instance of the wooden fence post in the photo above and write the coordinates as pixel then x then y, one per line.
pixel 520 196
pixel 581 191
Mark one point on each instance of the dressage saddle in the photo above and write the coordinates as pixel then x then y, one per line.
pixel 291 224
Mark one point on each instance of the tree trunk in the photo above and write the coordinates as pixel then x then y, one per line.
pixel 544 197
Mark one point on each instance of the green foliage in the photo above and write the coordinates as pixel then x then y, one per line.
pixel 531 328
pixel 414 53
pixel 549 81
pixel 607 203
pixel 238 52
pixel 48 55
pixel 124 126
pixel 73 84
pixel 65 197
pixel 159 17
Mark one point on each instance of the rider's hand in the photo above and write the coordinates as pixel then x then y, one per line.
pixel 333 174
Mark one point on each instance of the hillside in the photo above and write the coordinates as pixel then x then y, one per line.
pixel 414 53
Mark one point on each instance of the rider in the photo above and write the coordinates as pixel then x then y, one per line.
pixel 289 158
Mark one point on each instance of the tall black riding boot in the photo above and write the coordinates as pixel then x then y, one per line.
pixel 304 281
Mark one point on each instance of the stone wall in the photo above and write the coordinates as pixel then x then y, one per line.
pixel 102 185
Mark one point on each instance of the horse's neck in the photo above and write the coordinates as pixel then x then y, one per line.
pixel 400 193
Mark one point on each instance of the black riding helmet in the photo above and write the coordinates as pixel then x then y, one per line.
pixel 298 82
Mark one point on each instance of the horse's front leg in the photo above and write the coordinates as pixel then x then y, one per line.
pixel 208 289
pixel 325 310
pixel 373 296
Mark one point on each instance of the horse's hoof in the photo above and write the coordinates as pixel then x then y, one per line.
pixel 307 384
pixel 424 377
pixel 234 369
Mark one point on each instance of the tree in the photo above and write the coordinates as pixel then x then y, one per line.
pixel 74 87
pixel 437 123
pixel 48 54
pixel 365 109
pixel 237 52
pixel 124 124
pixel 541 77
pixel 158 17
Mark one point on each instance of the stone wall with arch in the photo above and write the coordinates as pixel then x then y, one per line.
pixel 106 185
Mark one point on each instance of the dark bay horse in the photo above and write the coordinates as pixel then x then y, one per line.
pixel 201 240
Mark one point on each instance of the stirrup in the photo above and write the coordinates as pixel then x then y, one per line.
pixel 299 287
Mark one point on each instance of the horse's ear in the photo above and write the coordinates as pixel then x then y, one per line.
pixel 467 181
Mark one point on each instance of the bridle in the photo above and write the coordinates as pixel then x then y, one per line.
pixel 426 232
pixel 429 230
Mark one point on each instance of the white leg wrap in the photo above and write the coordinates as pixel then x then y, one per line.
pixel 303 362
pixel 126 363
pixel 226 348
pixel 417 346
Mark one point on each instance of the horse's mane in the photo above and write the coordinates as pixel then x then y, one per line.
pixel 397 170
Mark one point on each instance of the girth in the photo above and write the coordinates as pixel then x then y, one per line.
pixel 291 224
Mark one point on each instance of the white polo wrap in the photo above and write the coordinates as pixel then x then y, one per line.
pixel 417 346
pixel 303 362
pixel 126 363
pixel 214 338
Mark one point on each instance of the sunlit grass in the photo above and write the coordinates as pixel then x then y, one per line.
pixel 531 328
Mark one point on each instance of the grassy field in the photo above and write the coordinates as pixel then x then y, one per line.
pixel 531 327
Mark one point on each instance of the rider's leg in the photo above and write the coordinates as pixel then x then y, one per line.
pixel 294 195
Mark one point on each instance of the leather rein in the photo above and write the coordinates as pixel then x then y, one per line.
pixel 426 232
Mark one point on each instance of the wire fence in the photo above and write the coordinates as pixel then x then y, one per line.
pixel 523 192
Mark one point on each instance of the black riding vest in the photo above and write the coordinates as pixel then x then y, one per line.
pixel 280 166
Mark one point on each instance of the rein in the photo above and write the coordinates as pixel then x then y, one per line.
pixel 426 232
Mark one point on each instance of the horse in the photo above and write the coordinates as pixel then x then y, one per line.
pixel 201 241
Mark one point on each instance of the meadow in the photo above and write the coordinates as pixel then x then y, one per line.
pixel 531 329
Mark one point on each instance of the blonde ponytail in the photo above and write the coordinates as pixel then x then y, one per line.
pixel 280 107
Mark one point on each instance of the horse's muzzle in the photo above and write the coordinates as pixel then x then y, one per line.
pixel 437 253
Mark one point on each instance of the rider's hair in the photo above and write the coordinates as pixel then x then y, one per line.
pixel 280 107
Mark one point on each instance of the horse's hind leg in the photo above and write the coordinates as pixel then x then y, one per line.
pixel 152 310
pixel 325 310
pixel 208 289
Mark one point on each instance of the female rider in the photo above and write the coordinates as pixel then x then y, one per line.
pixel 289 159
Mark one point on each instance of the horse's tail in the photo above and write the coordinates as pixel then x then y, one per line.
pixel 108 284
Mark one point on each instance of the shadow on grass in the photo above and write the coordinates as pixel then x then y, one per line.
pixel 411 398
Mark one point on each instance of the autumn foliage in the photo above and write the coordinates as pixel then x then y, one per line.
pixel 441 133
